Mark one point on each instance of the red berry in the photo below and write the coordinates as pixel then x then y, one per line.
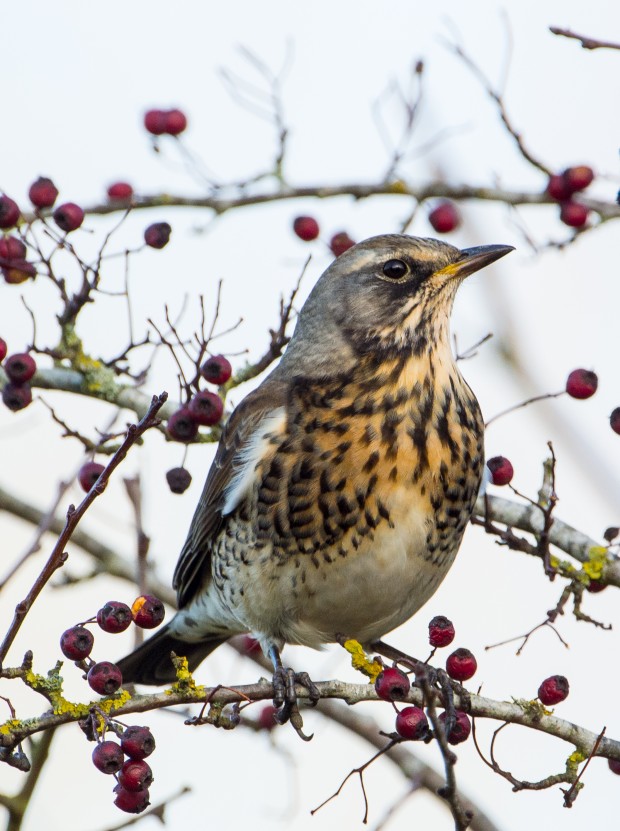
pixel 155 122
pixel 266 717
pixel 461 730
pixel 12 248
pixel 411 723
pixel 206 408
pixel 578 178
pixel 114 617
pixel 614 420
pixel 574 214
pixel 340 243
pixel 440 631
pixel 175 121
pixel 76 643
pixel 108 757
pixel 148 611
pixel 88 475
pixel 3 349
pixel 558 189
pixel 135 775
pixel 216 370
pixel 501 470
pixel 104 678
pixel 179 479
pixel 137 742
pixel 9 212
pixel 43 192
pixel 157 235
pixel 553 690
pixel 461 665
pixel 614 766
pixel 20 367
pixel 132 802
pixel 16 396
pixel 595 586
pixel 120 192
pixel 581 383
pixel 445 217
pixel 392 684
pixel 68 217
pixel 182 426
pixel 306 228
pixel 18 271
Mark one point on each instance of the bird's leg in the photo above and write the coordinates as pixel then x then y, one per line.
pixel 418 667
pixel 284 696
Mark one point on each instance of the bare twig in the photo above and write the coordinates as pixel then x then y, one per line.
pixel 586 41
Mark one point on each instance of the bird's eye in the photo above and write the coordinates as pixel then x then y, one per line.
pixel 395 269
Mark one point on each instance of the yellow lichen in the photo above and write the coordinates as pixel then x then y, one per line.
pixel 185 680
pixel 360 661
pixel 597 560
pixel 574 760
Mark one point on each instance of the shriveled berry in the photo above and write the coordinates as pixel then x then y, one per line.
pixel 148 611
pixel 411 723
pixel 340 243
pixel 175 121
pixel 132 802
pixel 16 396
pixel 614 420
pixel 216 370
pixel 68 217
pixel 501 469
pixel 20 367
pixel 266 717
pixel 76 643
pixel 120 191
pixel 114 617
pixel 88 475
pixel 206 408
pixel 12 248
pixel 179 479
pixel 157 235
pixel 440 631
pixel 581 383
pixel 18 271
pixel 104 678
pixel 578 178
pixel 392 684
pixel 553 690
pixel 614 766
pixel 306 228
pixel 461 730
pixel 445 217
pixel 137 742
pixel 135 775
pixel 43 193
pixel 182 426
pixel 155 122
pixel 574 214
pixel 108 757
pixel 461 664
pixel 3 349
pixel 9 212
pixel 558 189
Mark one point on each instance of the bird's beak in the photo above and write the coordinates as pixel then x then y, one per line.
pixel 473 259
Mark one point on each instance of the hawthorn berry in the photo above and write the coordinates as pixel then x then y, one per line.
pixel 20 367
pixel 461 730
pixel 147 611
pixel 614 766
pixel 16 396
pixel 558 189
pixel 179 479
pixel 578 178
pixel 440 631
pixel 88 475
pixel 461 665
pixel 581 383
pixel 135 775
pixel 574 214
pixel 306 228
pixel 175 121
pixel 157 235
pixel 120 191
pixel 553 690
pixel 3 349
pixel 76 643
pixel 9 212
pixel 155 122
pixel 12 248
pixel 340 243
pixel 216 370
pixel 411 723
pixel 266 717
pixel 445 217
pixel 206 408
pixel 68 217
pixel 182 426
pixel 114 617
pixel 137 742
pixel 132 802
pixel 18 271
pixel 614 420
pixel 43 193
pixel 501 469
pixel 595 586
pixel 108 757
pixel 104 678
pixel 392 684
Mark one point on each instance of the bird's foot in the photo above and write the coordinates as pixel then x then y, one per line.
pixel 285 695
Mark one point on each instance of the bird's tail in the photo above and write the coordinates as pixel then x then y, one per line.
pixel 151 662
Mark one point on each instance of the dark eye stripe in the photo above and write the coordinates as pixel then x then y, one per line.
pixel 395 269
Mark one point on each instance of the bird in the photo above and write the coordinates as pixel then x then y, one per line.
pixel 342 485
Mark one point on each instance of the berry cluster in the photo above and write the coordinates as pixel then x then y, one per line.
pixel 307 229
pixel 204 408
pixel 563 186
pixel 165 122
pixel 125 761
pixel 19 368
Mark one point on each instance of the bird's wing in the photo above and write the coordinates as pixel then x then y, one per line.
pixel 227 482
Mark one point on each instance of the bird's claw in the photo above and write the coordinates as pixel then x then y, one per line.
pixel 285 697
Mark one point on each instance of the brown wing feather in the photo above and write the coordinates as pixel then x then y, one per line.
pixel 193 569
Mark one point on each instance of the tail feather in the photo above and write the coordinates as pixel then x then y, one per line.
pixel 151 662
